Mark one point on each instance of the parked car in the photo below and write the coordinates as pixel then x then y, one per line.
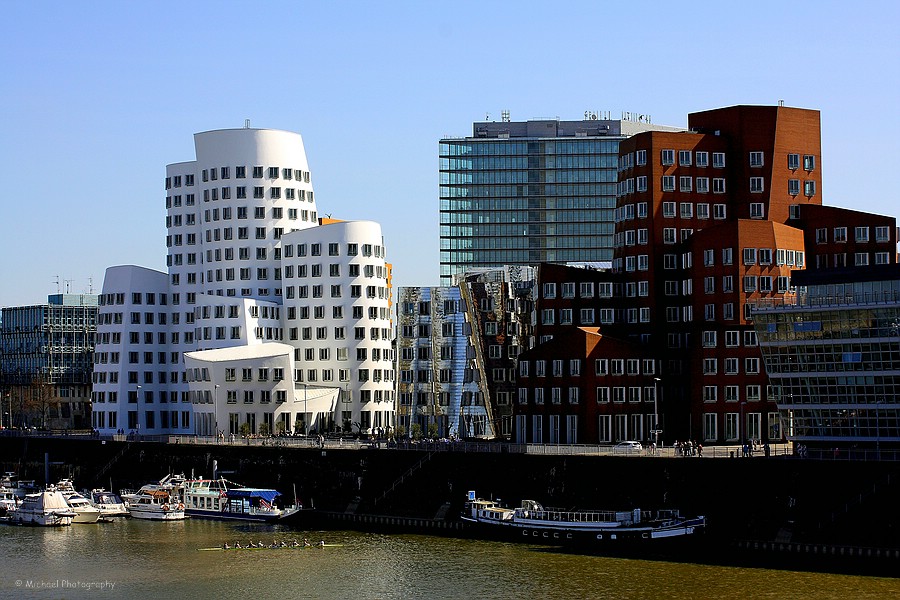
pixel 628 448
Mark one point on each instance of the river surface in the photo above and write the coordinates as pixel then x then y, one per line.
pixel 131 558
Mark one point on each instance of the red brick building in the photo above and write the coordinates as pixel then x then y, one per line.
pixel 708 222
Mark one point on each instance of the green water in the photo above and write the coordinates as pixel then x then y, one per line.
pixel 142 559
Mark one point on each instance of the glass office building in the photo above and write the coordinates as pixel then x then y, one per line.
pixel 833 358
pixel 522 193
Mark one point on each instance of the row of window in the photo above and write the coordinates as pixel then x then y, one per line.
pixel 687 158
pixel 860 234
pixel 687 183
pixel 585 289
pixel 628 212
pixel 752 393
pixel 572 395
pixel 860 259
pixel 732 366
pixel 240 172
pixel 602 367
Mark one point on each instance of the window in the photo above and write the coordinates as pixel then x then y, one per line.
pixel 751 365
pixel 756 159
pixel 861 259
pixel 718 186
pixel 793 187
pixel 703 185
pixel 793 161
pixel 882 234
pixel 709 340
pixel 809 162
pixel 669 209
pixel 809 188
pixel 684 158
pixel 668 183
pixel 668 157
pixel 718 211
pixel 686 208
pixel 861 234
pixel 749 256
pixel 718 160
pixel 756 185
pixel 757 210
pixel 840 234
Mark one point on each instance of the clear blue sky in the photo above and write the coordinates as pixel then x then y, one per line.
pixel 98 97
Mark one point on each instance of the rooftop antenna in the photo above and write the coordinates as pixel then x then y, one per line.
pixel 487 116
pixel 781 103
pixel 56 281
pixel 68 284
pixel 246 123
pixel 504 116
pixel 90 285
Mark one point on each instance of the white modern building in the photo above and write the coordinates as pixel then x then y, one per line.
pixel 266 321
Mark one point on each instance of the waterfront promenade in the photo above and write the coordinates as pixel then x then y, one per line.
pixel 350 442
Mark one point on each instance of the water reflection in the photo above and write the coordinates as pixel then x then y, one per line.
pixel 155 559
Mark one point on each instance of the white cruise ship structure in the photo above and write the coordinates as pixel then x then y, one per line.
pixel 268 319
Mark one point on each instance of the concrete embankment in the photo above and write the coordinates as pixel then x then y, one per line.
pixel 784 503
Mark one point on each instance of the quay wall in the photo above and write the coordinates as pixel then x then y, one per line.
pixel 783 500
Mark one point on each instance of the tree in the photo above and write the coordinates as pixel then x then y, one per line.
pixel 38 399
pixel 245 429
pixel 264 429
pixel 433 430
pixel 416 431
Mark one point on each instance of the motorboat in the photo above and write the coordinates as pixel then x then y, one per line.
pixel 48 508
pixel 19 487
pixel 221 499
pixel 85 512
pixel 157 501
pixel 109 504
pixel 8 501
pixel 531 522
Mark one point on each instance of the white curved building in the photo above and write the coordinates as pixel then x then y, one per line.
pixel 248 265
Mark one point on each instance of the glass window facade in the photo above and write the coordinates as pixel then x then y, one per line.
pixel 515 201
pixel 833 359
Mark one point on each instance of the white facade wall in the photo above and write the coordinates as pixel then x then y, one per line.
pixel 134 364
pixel 230 215
pixel 337 317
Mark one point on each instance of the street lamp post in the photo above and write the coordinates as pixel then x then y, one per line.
pixel 741 426
pixel 655 431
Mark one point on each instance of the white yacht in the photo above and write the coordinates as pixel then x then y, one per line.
pixel 44 508
pixel 157 501
pixel 85 512
pixel 108 503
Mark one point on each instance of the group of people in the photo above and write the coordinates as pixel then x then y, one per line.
pixel 688 448
pixel 275 544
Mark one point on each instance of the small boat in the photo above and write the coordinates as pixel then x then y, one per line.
pixel 532 522
pixel 8 501
pixel 221 499
pixel 48 508
pixel 109 504
pixel 85 512
pixel 19 487
pixel 157 501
